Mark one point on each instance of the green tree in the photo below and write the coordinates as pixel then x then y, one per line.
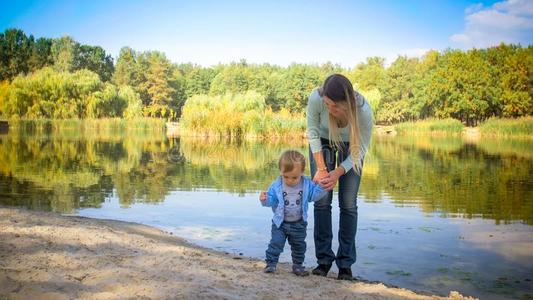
pixel 178 82
pixel 94 58
pixel 41 55
pixel 157 71
pixel 126 68
pixel 517 83
pixel 369 75
pixel 374 99
pixel 266 80
pixel 133 102
pixel 15 51
pixel 48 93
pixel 397 102
pixel 462 87
pixel 106 103
pixel 296 84
pixel 199 80
pixel 424 71
pixel 235 78
pixel 65 51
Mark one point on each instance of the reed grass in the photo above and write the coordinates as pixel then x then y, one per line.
pixel 238 115
pixel 516 128
pixel 430 127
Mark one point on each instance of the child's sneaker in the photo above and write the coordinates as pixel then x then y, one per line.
pixel 270 269
pixel 299 270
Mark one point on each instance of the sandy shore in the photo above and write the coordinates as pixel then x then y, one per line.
pixel 49 256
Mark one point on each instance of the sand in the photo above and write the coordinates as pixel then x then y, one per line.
pixel 49 256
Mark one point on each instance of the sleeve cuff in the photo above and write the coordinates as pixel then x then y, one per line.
pixel 316 146
pixel 347 164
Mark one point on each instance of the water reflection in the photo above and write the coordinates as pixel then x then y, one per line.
pixel 464 208
pixel 453 178
pixel 490 180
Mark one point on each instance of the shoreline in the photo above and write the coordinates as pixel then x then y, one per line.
pixel 173 130
pixel 48 255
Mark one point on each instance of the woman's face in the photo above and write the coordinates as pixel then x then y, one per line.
pixel 336 109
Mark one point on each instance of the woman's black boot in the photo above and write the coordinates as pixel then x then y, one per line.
pixel 321 270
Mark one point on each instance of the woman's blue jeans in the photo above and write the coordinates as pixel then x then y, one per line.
pixel 348 188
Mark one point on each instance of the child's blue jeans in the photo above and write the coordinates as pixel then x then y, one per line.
pixel 295 233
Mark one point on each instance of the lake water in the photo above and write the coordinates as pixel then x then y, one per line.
pixel 435 214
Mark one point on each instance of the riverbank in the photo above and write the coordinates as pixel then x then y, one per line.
pixel 520 128
pixel 469 133
pixel 46 255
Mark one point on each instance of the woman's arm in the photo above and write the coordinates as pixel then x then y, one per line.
pixel 321 169
pixel 314 107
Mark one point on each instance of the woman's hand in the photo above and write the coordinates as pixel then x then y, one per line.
pixel 320 175
pixel 330 181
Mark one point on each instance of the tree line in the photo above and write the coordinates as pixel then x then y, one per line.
pixel 61 78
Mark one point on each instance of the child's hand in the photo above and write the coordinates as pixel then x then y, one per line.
pixel 320 175
pixel 263 197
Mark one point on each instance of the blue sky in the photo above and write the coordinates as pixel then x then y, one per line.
pixel 276 31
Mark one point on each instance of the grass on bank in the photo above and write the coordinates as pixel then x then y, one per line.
pixel 238 115
pixel 513 128
pixel 430 126
pixel 519 128
pixel 255 120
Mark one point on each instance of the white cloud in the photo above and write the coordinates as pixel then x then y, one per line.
pixel 474 8
pixel 509 21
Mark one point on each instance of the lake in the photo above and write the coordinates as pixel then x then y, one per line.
pixel 435 214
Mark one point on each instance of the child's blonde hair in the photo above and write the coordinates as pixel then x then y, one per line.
pixel 289 158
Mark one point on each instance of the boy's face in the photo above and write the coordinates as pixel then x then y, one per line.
pixel 292 178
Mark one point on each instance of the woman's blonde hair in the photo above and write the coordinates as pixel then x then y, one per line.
pixel 340 90
pixel 289 158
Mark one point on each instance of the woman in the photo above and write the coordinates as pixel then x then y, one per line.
pixel 339 126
